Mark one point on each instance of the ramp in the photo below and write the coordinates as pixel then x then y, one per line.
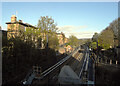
pixel 68 76
pixel 30 79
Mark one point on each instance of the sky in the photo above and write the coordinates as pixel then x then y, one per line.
pixel 81 19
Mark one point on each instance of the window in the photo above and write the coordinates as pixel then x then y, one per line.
pixel 24 28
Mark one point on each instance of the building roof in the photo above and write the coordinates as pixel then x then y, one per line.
pixel 24 24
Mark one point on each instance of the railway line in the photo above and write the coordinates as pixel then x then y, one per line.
pixel 51 78
pixel 55 68
pixel 76 60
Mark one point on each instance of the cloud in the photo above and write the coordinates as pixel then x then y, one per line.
pixel 70 28
pixel 80 35
pixel 78 31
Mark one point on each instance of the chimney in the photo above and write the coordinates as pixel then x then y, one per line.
pixel 13 18
pixel 20 21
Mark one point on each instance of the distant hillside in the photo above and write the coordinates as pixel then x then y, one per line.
pixel 84 40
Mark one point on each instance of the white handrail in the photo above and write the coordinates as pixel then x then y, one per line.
pixel 83 66
pixel 46 72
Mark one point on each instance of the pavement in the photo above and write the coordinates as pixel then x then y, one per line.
pixel 69 73
pixel 68 76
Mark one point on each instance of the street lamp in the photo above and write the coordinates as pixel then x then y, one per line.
pixel 118 51
pixel 95 38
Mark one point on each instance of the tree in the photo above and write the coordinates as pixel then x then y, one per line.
pixel 48 30
pixel 119 31
pixel 20 50
pixel 106 38
pixel 47 25
pixel 53 42
pixel 63 37
pixel 114 26
pixel 93 45
pixel 73 40
pixel 95 37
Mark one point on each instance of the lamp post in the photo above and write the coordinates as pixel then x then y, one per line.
pixel 118 48
pixel 95 38
pixel 97 45
pixel 118 52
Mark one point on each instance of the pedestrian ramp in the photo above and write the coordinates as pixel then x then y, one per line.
pixel 30 79
pixel 68 76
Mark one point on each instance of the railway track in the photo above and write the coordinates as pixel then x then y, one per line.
pixel 52 71
pixel 78 61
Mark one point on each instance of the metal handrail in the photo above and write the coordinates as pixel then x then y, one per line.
pixel 46 72
pixel 83 66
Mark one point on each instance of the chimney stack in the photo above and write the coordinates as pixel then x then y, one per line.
pixel 13 18
pixel 20 21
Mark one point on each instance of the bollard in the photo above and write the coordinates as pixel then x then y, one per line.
pixel 110 61
pixel 116 62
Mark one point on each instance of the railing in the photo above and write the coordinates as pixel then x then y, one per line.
pixel 49 70
pixel 85 70
pixel 107 61
pixel 83 66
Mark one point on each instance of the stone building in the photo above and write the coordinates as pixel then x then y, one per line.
pixel 62 38
pixel 14 26
pixel 69 48
pixel 66 40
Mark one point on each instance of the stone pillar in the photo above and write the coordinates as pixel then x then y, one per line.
pixel 116 62
pixel 110 61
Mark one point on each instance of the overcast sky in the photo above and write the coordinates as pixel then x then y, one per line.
pixel 81 19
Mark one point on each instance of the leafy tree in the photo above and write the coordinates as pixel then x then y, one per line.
pixel 93 45
pixel 63 36
pixel 114 26
pixel 39 40
pixel 19 52
pixel 106 38
pixel 53 42
pixel 95 37
pixel 73 40
pixel 119 31
pixel 47 25
pixel 48 29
